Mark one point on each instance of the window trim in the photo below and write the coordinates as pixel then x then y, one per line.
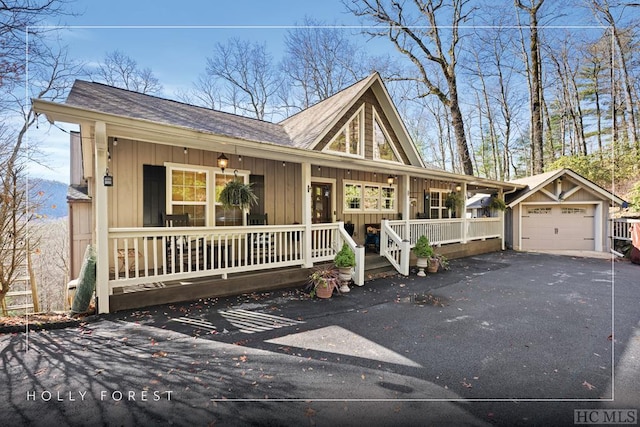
pixel 361 144
pixel 376 151
pixel 441 206
pixel 207 170
pixel 362 209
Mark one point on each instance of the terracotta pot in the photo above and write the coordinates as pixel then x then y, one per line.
pixel 434 265
pixel 325 291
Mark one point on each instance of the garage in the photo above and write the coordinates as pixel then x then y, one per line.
pixel 558 210
pixel 558 227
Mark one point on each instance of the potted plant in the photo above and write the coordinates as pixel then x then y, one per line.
pixel 423 251
pixel 443 261
pixel 344 261
pixel 237 194
pixel 322 282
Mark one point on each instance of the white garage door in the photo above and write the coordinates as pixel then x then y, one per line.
pixel 558 227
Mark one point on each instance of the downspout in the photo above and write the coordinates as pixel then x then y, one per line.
pixel 504 232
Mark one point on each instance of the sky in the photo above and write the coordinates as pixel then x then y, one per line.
pixel 173 42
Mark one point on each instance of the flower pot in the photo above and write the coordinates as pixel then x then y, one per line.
pixel 344 274
pixel 325 290
pixel 434 265
pixel 422 263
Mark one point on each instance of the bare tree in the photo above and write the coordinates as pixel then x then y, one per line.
pixel 246 75
pixel 417 34
pixel 604 11
pixel 16 18
pixel 534 74
pixel 51 75
pixel 321 60
pixel 120 70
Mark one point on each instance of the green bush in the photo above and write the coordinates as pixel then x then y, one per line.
pixel 345 258
pixel 423 248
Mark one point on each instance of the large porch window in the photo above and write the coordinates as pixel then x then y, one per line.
pixel 365 197
pixel 437 208
pixel 350 139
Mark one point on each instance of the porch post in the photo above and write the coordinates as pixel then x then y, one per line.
pixel 463 208
pixel 502 230
pixel 306 213
pixel 406 207
pixel 101 218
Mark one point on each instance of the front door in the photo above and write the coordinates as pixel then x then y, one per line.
pixel 320 202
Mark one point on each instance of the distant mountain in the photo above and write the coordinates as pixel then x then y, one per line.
pixel 48 197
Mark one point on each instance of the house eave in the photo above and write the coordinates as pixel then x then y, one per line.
pixel 160 133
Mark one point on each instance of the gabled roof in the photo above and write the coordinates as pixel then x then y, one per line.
pixel 308 126
pixel 536 182
pixel 111 100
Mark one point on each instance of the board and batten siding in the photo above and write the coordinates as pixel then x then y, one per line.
pixel 282 183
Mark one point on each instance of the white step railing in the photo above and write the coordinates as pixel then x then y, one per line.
pixel 396 244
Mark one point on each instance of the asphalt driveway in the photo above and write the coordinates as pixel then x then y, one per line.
pixel 500 339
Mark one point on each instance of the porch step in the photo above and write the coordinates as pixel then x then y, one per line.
pixel 375 264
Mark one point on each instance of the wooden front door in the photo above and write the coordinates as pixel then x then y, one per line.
pixel 320 202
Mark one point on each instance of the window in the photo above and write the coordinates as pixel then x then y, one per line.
pixel 574 211
pixel 352 196
pixel 188 187
pixel 437 208
pixel 539 211
pixel 382 147
pixel 350 138
pixel 369 197
pixel 232 216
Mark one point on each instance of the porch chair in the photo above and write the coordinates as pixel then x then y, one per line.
pixel 262 242
pixel 174 243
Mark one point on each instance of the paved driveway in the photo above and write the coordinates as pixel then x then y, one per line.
pixel 507 339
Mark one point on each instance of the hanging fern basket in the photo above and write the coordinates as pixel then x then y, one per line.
pixel 238 194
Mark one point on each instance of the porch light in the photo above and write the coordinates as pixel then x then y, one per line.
pixel 458 187
pixel 223 162
pixel 390 180
pixel 108 179
pixel 115 141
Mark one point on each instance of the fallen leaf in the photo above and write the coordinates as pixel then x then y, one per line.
pixel 159 354
pixel 588 386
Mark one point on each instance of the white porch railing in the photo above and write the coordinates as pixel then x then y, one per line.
pixel 621 228
pixel 439 231
pixel 154 254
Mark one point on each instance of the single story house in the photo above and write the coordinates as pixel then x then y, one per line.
pixel 139 161
pixel 559 210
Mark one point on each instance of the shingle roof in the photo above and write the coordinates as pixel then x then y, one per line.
pixel 308 125
pixel 121 102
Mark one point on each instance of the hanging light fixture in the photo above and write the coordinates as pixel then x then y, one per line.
pixel 108 179
pixel 390 180
pixel 223 162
